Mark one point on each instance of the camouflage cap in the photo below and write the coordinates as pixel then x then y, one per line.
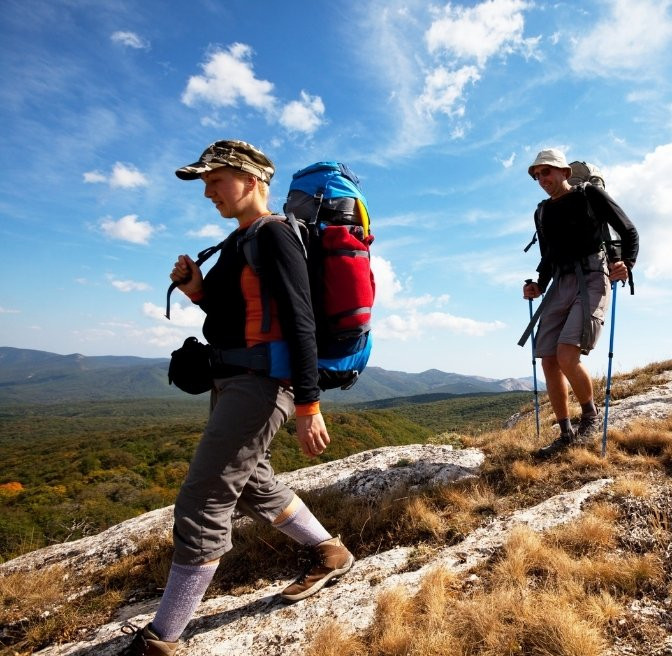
pixel 236 154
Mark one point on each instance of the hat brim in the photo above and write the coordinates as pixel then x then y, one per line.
pixel 195 170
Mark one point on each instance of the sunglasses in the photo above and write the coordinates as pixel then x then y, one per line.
pixel 544 173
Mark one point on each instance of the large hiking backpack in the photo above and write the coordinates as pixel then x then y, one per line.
pixel 583 172
pixel 326 209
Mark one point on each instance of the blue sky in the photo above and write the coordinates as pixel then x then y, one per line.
pixel 439 108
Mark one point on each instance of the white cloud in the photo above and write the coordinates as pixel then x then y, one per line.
pixel 508 163
pixel 130 39
pixel 415 325
pixel 125 176
pixel 461 40
pixel 444 89
pixel 4 310
pixel 93 177
pixel 634 38
pixel 391 294
pixel 228 77
pixel 209 231
pixel 129 285
pixel 644 191
pixel 164 337
pixel 303 115
pixel 489 28
pixel 128 228
pixel 190 316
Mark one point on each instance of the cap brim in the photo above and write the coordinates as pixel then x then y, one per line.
pixel 195 170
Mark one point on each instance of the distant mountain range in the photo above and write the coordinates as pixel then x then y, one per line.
pixel 29 376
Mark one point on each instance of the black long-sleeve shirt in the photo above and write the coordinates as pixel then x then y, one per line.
pixel 567 233
pixel 284 271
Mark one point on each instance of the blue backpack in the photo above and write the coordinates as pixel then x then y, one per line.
pixel 326 209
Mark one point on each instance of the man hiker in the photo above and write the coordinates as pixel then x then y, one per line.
pixel 231 468
pixel 570 228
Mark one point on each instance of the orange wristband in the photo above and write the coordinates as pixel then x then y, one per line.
pixel 306 409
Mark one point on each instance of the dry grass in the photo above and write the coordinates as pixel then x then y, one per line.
pixel 537 599
pixel 566 592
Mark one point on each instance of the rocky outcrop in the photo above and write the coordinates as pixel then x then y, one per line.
pixel 654 404
pixel 259 624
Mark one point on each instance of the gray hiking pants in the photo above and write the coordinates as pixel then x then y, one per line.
pixel 231 468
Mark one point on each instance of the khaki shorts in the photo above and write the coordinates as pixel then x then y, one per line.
pixel 562 320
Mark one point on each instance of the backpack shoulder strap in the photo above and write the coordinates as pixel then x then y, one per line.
pixel 537 225
pixel 249 243
pixel 204 255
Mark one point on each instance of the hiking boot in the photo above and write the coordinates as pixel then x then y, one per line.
pixel 146 643
pixel 560 444
pixel 323 563
pixel 588 427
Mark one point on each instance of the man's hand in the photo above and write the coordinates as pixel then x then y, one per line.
pixel 531 290
pixel 618 271
pixel 312 434
pixel 188 275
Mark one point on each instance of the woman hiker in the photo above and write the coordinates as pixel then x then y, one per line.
pixel 230 469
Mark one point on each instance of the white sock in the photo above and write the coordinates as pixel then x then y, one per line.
pixel 303 527
pixel 184 590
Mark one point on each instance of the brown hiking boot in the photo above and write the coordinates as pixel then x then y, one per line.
pixel 323 563
pixel 588 427
pixel 556 446
pixel 146 643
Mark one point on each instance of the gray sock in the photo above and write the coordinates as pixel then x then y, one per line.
pixel 588 409
pixel 303 527
pixel 184 590
pixel 565 425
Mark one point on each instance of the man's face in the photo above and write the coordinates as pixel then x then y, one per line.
pixel 226 188
pixel 551 179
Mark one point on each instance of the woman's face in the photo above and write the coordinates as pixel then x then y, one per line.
pixel 227 189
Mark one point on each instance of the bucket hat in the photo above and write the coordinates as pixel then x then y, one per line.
pixel 236 154
pixel 551 157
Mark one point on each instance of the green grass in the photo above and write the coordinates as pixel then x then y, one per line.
pixel 83 467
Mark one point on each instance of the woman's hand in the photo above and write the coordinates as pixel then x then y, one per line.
pixel 312 434
pixel 188 275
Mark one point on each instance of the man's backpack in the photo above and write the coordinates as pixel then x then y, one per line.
pixel 584 173
pixel 326 209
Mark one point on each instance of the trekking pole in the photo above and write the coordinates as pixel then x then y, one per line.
pixel 534 368
pixel 607 396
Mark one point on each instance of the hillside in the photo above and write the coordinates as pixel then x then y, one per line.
pixel 80 467
pixel 29 376
pixel 481 551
